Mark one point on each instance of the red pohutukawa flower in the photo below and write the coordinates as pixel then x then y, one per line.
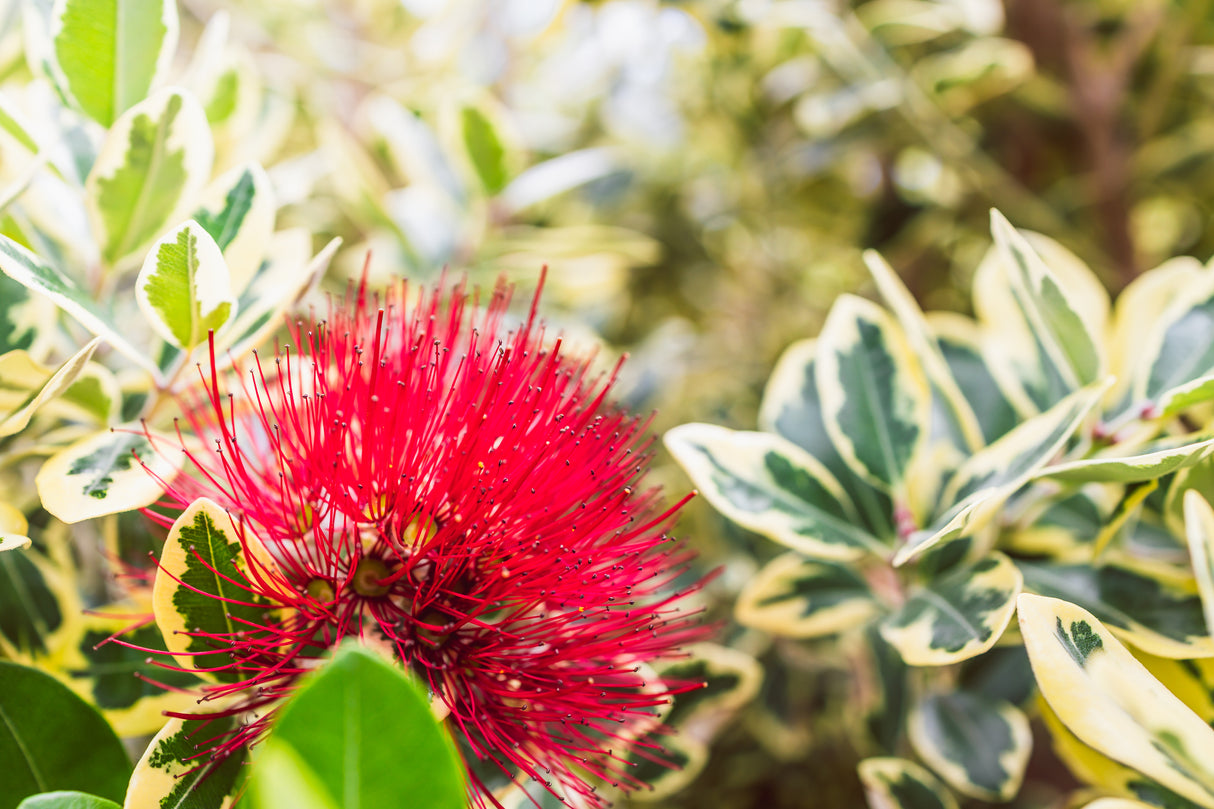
pixel 464 495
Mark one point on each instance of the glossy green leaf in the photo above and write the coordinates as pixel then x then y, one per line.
pixel 955 617
pixel 1111 702
pixel 154 162
pixel 875 398
pixel 284 780
pixel 895 783
pixel 335 725
pixel 485 149
pixel 237 210
pixel 801 598
pixel 979 746
pixel 1158 612
pixel 172 775
pixel 773 487
pixel 104 473
pixel 111 51
pixel 1065 350
pixel 32 272
pixel 184 288
pixel 16 364
pixel 201 590
pixel 66 799
pixel 992 475
pixel 50 739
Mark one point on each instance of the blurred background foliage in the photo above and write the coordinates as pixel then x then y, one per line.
pixel 701 178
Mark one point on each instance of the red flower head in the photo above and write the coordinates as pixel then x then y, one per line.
pixel 461 494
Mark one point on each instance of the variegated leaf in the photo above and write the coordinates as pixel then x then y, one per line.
pixel 1191 681
pixel 13 528
pixel 155 160
pixel 27 319
pixel 125 682
pixel 170 775
pixel 895 783
pixel 792 408
pixel 886 717
pixel 1110 702
pixel 39 606
pixel 184 288
pixel 771 486
pixel 1158 611
pixel 411 146
pixel 1060 528
pixel 1199 529
pixel 94 396
pixel 1065 350
pixel 201 590
pixel 1117 803
pixel 979 746
pixel 731 679
pixel 801 598
pixel 987 382
pixel 1138 316
pixel 237 210
pixel 955 617
pixel 992 475
pixel 19 402
pixel 108 53
pixel 1084 762
pixel 104 473
pixel 282 279
pixel 962 421
pixel 1147 463
pixel 681 759
pixel 32 272
pixel 875 398
pixel 1094 767
pixel 1176 369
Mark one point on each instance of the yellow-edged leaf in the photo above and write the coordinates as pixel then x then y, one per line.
pixel 955 617
pixel 875 397
pixel 895 783
pixel 1199 529
pixel 802 598
pixel 1111 702
pixel 104 473
pixel 773 487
